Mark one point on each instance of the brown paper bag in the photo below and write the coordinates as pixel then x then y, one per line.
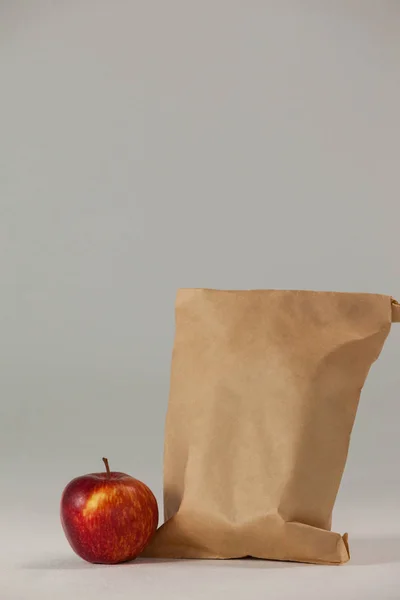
pixel 264 391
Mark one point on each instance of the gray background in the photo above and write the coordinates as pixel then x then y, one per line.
pixel 147 145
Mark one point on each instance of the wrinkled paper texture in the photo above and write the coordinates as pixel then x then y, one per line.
pixel 264 391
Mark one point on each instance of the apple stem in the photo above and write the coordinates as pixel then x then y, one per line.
pixel 105 461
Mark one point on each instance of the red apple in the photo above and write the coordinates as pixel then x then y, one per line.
pixel 108 517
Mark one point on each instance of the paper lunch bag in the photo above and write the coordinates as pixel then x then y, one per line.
pixel 264 391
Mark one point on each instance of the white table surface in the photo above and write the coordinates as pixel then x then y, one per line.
pixel 37 563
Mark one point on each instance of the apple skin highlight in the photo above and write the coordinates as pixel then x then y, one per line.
pixel 108 517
